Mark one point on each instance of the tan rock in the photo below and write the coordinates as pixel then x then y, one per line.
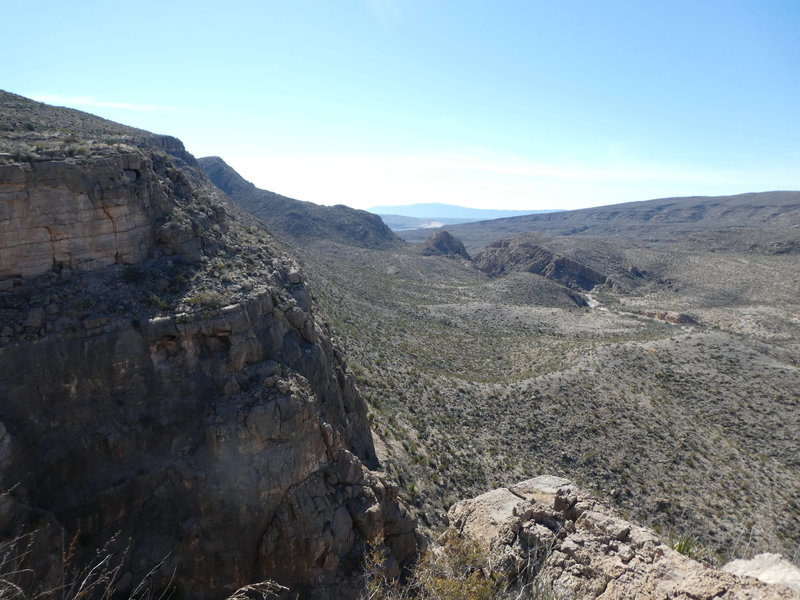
pixel 585 551
pixel 480 519
pixel 78 216
pixel 767 567
pixel 546 489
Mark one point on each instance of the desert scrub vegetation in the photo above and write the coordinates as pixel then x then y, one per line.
pixel 205 300
pixel 476 383
pixel 689 546
pixel 158 302
pixel 458 569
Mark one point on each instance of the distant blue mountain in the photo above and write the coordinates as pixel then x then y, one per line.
pixel 438 211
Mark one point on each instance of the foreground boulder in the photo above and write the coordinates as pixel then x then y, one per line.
pixel 546 530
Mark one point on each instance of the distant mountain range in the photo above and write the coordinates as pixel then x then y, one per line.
pixel 681 221
pixel 435 214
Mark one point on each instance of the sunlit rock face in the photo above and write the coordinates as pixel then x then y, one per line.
pixel 546 534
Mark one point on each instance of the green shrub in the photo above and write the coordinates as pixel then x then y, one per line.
pixel 208 300
pixel 158 302
pixel 690 547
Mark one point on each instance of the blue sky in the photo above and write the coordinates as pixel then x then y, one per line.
pixel 507 104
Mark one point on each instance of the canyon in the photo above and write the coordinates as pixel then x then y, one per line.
pixel 220 385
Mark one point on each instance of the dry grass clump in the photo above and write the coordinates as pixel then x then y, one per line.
pixel 458 569
pixel 25 574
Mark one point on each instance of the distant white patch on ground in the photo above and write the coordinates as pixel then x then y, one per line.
pixel 769 568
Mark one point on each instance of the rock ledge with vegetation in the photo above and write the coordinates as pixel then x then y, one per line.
pixel 548 531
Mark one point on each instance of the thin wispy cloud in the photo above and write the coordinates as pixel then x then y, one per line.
pixel 387 12
pixel 92 102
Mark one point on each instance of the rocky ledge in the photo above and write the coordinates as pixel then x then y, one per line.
pixel 545 530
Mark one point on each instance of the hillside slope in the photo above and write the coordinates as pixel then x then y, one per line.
pixel 671 389
pixel 766 222
pixel 297 220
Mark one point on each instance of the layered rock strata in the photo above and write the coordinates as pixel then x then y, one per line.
pixel 164 381
pixel 547 534
pixel 523 254
pixel 56 213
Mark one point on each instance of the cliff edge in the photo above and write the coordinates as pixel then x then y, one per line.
pixel 164 378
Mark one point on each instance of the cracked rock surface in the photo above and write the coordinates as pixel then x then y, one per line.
pixel 546 528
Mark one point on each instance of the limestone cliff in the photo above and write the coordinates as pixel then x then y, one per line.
pixel 163 376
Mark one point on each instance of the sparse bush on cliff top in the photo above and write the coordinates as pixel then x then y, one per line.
pixel 458 570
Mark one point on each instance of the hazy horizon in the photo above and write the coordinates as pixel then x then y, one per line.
pixel 528 106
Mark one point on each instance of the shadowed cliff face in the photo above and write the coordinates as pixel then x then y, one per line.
pixel 164 379
pixel 233 443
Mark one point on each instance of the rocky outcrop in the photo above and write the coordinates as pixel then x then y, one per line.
pixel 443 243
pixel 525 254
pixel 163 380
pixel 232 444
pixel 299 221
pixel 545 530
pixel 83 215
pixel 668 316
